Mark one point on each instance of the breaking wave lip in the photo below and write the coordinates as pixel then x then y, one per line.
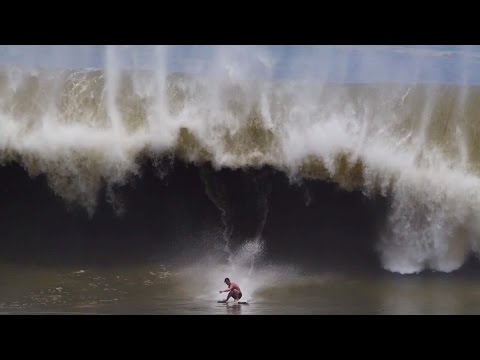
pixel 414 143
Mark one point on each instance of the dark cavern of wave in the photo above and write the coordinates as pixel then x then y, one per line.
pixel 183 211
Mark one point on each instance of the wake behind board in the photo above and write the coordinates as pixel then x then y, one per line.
pixel 238 302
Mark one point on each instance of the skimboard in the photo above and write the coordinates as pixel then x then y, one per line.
pixel 232 302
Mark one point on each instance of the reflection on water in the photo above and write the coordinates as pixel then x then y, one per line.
pixel 233 309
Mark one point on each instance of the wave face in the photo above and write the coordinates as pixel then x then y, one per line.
pixel 409 135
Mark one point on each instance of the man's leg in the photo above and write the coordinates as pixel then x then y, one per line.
pixel 235 294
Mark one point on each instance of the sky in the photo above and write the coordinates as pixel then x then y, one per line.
pixel 355 63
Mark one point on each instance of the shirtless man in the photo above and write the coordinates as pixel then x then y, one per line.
pixel 233 291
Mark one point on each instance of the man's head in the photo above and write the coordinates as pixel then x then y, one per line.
pixel 227 281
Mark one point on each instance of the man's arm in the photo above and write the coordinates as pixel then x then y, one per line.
pixel 221 291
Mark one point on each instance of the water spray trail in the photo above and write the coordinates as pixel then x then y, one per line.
pixel 217 194
pixel 112 74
